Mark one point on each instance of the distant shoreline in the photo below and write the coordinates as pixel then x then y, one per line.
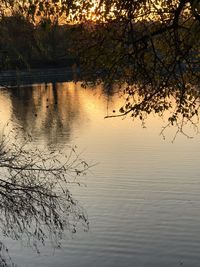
pixel 11 78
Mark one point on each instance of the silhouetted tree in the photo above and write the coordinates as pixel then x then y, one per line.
pixel 35 201
pixel 150 48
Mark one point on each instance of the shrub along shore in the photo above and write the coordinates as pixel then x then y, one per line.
pixel 24 45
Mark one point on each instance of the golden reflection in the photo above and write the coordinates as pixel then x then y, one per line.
pixel 55 113
pixel 64 101
pixel 6 108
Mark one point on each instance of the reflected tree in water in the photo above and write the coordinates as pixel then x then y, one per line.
pixel 48 110
pixel 35 202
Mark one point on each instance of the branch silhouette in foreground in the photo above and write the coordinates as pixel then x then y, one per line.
pixel 178 108
pixel 35 202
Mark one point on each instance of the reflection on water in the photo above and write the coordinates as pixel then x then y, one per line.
pixel 142 198
pixel 49 110
pixel 35 202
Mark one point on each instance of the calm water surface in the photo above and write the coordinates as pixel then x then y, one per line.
pixel 143 196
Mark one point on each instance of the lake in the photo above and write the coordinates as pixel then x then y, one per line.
pixel 142 196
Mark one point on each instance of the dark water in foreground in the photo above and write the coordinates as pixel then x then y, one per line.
pixel 143 196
